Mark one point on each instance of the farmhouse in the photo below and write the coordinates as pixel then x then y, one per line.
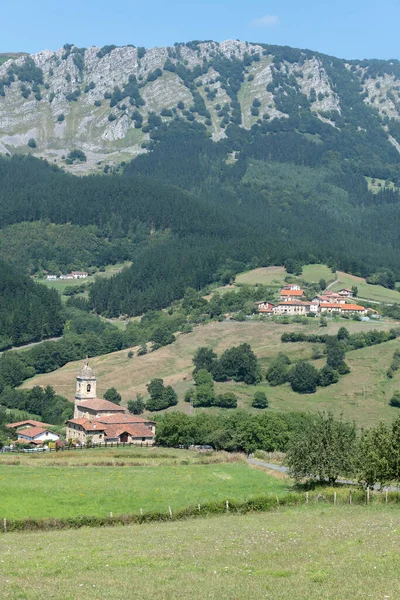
pixel 79 274
pixel 101 420
pixel 346 293
pixel 292 307
pixel 36 435
pixel 291 295
pixel 292 286
pixel 28 423
pixel 265 307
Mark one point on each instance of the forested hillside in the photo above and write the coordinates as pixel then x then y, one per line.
pixel 28 312
pixel 261 155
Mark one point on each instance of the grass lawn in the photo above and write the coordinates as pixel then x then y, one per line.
pixel 58 491
pixel 316 552
pixel 271 276
pixel 366 291
pixel 313 273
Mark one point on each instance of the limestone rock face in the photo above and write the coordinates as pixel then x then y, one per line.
pixel 104 101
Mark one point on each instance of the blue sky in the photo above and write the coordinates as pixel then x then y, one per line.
pixel 343 28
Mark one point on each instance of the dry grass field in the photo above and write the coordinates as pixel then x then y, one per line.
pixel 362 395
pixel 314 553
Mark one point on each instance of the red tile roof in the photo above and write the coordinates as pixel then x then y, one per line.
pixel 292 293
pixel 337 305
pixel 100 404
pixel 122 418
pixel 32 431
pixel 87 425
pixel 136 431
pixel 352 307
pixel 294 303
pixel 29 422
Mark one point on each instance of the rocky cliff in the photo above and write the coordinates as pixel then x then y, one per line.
pixel 106 102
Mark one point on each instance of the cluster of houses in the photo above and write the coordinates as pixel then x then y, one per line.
pixel 94 418
pixel 292 302
pixel 72 275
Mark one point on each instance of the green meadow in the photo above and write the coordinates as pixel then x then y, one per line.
pixel 58 491
pixel 316 552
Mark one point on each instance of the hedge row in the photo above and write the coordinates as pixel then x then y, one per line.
pixel 258 504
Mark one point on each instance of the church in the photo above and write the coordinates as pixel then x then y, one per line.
pixel 103 421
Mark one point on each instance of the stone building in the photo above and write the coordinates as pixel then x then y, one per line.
pixel 101 420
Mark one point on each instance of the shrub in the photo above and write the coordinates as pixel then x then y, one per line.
pixel 32 143
pixel 395 400
pixel 260 400
pixel 304 378
pixel 227 400
pixel 78 155
pixel 60 118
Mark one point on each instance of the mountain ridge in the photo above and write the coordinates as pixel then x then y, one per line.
pixel 108 101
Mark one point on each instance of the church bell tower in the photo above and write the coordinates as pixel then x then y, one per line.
pixel 85 386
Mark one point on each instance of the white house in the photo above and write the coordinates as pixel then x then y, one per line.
pixel 346 293
pixel 36 435
pixel 292 307
pixel 79 274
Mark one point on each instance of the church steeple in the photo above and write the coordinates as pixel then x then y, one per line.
pixel 85 385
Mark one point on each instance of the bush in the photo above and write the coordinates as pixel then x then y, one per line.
pixel 136 407
pixel 227 400
pixel 78 155
pixel 395 400
pixel 60 118
pixel 32 143
pixel 304 378
pixel 260 400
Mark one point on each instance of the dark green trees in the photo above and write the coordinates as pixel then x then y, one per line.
pixel 161 397
pixel 112 395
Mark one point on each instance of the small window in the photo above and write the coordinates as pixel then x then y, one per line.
pixel 89 387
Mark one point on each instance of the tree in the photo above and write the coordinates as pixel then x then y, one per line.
pixel 204 358
pixel 137 407
pixel 240 364
pixel 374 456
pixel 323 449
pixel 322 284
pixel 204 389
pixel 112 395
pixel 328 376
pixel 335 354
pixel 60 118
pixel 395 400
pixel 343 334
pixel 161 397
pixel 304 378
pixel 32 143
pixel 260 400
pixel 279 371
pixel 354 289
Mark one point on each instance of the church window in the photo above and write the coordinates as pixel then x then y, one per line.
pixel 89 387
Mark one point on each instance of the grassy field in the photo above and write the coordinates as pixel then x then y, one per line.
pixel 316 552
pixel 60 491
pixel 366 291
pixel 271 276
pixel 362 395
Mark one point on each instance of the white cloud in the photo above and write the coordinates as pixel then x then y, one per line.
pixel 266 21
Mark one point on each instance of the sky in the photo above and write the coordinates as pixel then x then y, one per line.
pixel 342 28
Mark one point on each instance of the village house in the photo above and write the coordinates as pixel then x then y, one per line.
pixel 346 293
pixel 287 295
pixel 329 297
pixel 50 277
pixel 101 420
pixel 292 307
pixel 265 307
pixel 36 436
pixel 28 423
pixel 79 274
pixel 292 286
pixel 337 308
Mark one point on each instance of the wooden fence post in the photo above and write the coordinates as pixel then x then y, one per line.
pixel 110 514
pixel 334 498
pixel 227 505
pixel 306 497
pixel 198 506
pixel 368 494
pixel 5 525
pixel 351 497
pixel 141 511
pixel 386 496
pixel 170 512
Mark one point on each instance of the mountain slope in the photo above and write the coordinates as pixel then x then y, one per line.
pixel 108 101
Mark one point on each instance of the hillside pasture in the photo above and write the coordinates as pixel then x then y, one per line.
pixel 363 394
pixel 270 276
pixel 366 291
pixel 311 552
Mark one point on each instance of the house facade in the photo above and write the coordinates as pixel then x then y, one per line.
pixel 36 435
